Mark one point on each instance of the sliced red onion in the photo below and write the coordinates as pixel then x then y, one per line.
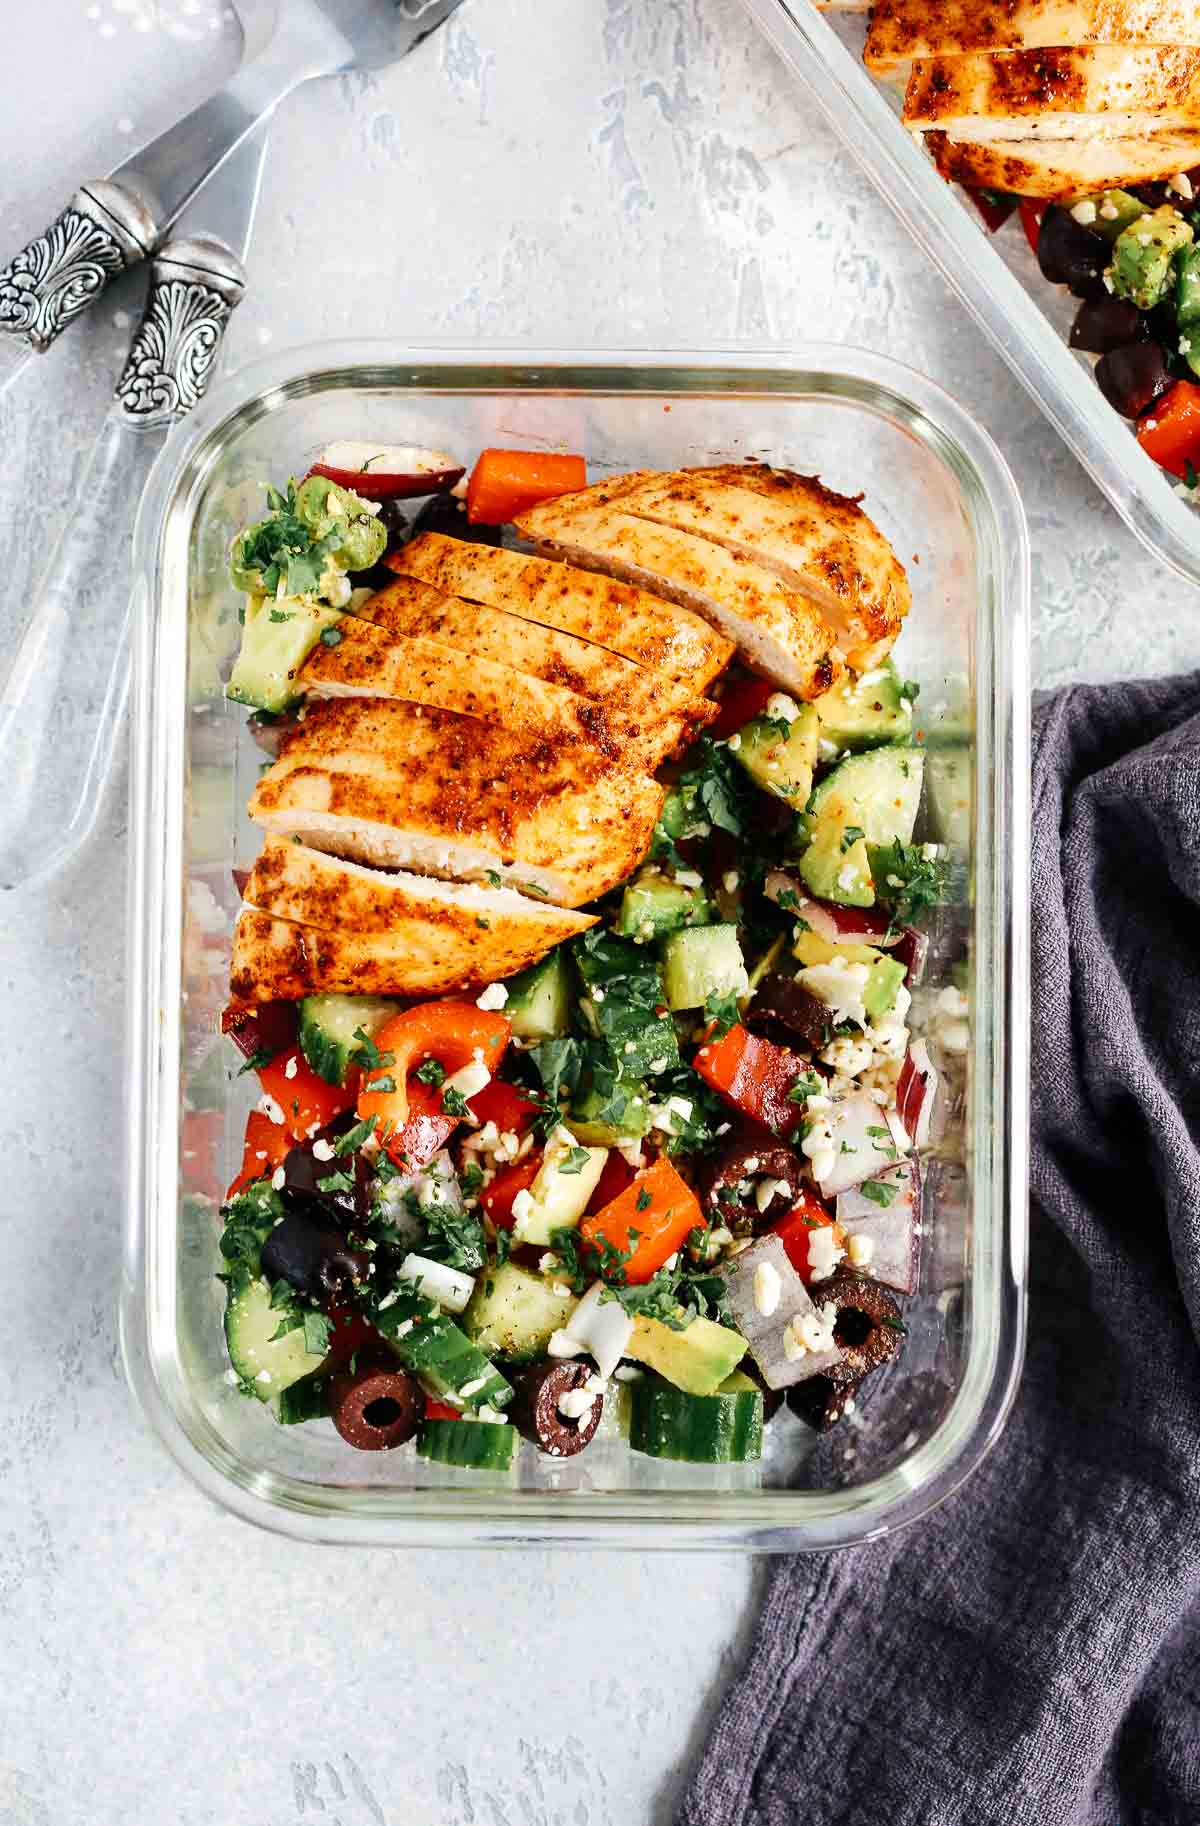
pixel 912 950
pixel 894 1229
pixel 240 878
pixel 765 1330
pixel 862 1142
pixel 861 925
pixel 269 736
pixel 268 1028
pixel 917 1094
pixel 394 472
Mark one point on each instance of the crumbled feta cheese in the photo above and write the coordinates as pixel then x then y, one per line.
pixel 672 1261
pixel 270 1108
pixel 818 1147
pixel 689 878
pixel 492 1416
pixel 576 1404
pixel 628 1372
pixel 562 1344
pixel 402 1330
pixel 561 1289
pixel 389 1299
pixel 766 1190
pixel 278 1179
pixel 859 1249
pixel 849 1055
pixel 730 880
pixel 1182 185
pixel 522 1206
pixel 810 1331
pixel 781 707
pixel 470 1080
pixel 734 743
pixel 548 1263
pixel 596 1384
pixel 826 750
pixel 631 1153
pixel 1109 210
pixel 493 997
pixel 824 1252
pixel 597 994
pixel 473 1387
pixel 840 986
pixel 768 1288
pixel 289 1070
pixel 322 1149
pixel 1084 212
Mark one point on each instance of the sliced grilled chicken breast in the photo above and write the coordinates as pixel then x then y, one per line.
pixel 404 787
pixel 1062 168
pixel 778 632
pixel 661 715
pixel 1080 93
pixel 627 621
pixel 819 543
pixel 314 923
pixel 370 661
pixel 903 30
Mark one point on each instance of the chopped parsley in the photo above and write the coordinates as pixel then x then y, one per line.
pixel 431 1072
pixel 643 1199
pixel 910 690
pixel 850 836
pixel 574 1161
pixel 454 1103
pixel 908 881
pixel 353 1139
pixel 369 1054
pixel 879 1191
pixel 382 1087
pixel 341 1181
pixel 453 1236
pixel 262 1055
pixel 721 1008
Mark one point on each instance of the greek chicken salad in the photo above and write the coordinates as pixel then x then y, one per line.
pixel 582 965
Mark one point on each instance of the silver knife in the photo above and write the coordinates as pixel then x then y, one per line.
pixel 62 706
pixel 112 223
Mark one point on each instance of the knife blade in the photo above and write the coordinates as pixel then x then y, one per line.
pixel 62 707
pixel 112 223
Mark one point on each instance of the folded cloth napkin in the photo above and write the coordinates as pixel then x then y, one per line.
pixel 1030 1654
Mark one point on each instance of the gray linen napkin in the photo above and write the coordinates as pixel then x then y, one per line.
pixel 1030 1654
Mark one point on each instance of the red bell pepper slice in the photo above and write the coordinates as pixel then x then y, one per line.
pixel 1032 212
pixel 509 1108
pixel 267 1027
pixel 1170 431
pixel 308 1102
pixel 615 1175
pixel 652 1217
pixel 497 1198
pixel 267 1144
pixel 411 1118
pixel 350 1332
pixel 995 206
pixel 754 1076
pixel 744 699
pixel 795 1230
pixel 440 1410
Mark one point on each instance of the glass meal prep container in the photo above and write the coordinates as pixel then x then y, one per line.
pixel 1025 317
pixel 942 494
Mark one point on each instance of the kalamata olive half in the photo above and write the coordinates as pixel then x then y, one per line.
pixel 1106 323
pixel 376 1409
pixel 1070 254
pixel 780 999
pixel 542 1392
pixel 748 1156
pixel 1132 378
pixel 868 1326
pixel 821 1402
pixel 303 1172
pixel 315 1259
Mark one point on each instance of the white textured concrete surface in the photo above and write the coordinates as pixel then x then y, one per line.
pixel 588 172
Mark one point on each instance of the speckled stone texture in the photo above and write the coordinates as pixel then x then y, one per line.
pixel 592 172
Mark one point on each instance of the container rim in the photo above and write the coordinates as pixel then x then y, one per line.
pixel 771 1520
pixel 1061 388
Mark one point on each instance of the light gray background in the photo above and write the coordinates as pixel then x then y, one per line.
pixel 614 172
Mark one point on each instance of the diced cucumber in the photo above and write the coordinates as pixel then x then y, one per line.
pixel 723 1428
pixel 277 638
pixel 560 1193
pixel 780 753
pixel 863 712
pixel 879 990
pixel 440 1355
pixel 811 948
pixel 707 960
pixel 266 1364
pixel 473 1445
pixel 624 1004
pixel 328 1024
pixel 539 999
pixel 306 1400
pixel 949 773
pixel 697 1360
pixel 654 904
pixel 881 791
pixel 513 1312
pixel 835 866
pixel 602 1119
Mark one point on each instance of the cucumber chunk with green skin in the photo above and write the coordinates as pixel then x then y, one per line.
pixel 863 712
pixel 1144 256
pixel 327 1028
pixel 441 1356
pixel 623 1002
pixel 473 1445
pixel 539 999
pixel 513 1312
pixel 780 753
pixel 704 961
pixel 835 866
pixel 277 637
pixel 266 1364
pixel 602 1119
pixel 654 904
pixel 309 1399
pixel 697 1360
pixel 879 991
pixel 722 1428
pixel 882 790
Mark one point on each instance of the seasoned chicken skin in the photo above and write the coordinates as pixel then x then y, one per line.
pixel 401 786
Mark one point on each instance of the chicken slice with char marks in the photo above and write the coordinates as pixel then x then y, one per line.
pixel 404 787
pixel 1076 93
pixel 901 31
pixel 627 621
pixel 1063 168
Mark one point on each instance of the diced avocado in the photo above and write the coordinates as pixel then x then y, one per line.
pixel 1187 288
pixel 328 1024
pixel 1144 256
pixel 602 1118
pixel 863 712
pixel 811 948
pixel 697 1360
pixel 879 990
pixel 513 1312
pixel 277 638
pixel 835 865
pixel 704 961
pixel 1115 210
pixel 624 1004
pixel 565 1181
pixel 539 999
pixel 780 752
pixel 323 506
pixel 881 788
pixel 949 773
pixel 655 903
pixel 266 1364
